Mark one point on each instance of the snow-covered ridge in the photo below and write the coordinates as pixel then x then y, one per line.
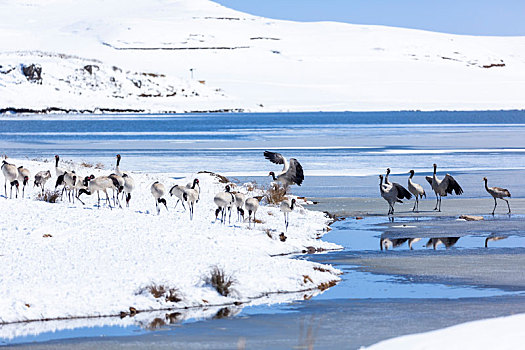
pixel 245 62
pixel 66 260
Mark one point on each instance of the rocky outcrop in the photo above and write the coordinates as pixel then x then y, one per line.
pixel 33 73
pixel 90 68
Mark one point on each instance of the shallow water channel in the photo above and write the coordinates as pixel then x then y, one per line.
pixel 381 295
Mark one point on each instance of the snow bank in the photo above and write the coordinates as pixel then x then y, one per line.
pixel 497 333
pixel 67 260
pixel 245 62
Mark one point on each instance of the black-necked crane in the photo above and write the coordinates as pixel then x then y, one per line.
pixel 286 207
pixel 158 191
pixel 10 175
pixel 41 178
pixel 191 196
pixel 402 190
pixel 68 179
pixel 100 183
pixel 497 192
pixel 129 186
pixel 118 188
pixel 392 193
pixel 117 167
pixel 23 177
pixel 224 201
pixel 129 183
pixel 292 172
pixel 195 185
pixel 240 198
pixel 416 189
pixel 251 205
pixel 58 171
pixel 443 187
pixel 178 191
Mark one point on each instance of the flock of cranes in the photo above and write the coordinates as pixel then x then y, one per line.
pixel 395 193
pixel 122 185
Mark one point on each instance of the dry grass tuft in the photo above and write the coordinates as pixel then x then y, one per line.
pixel 317 268
pixel 86 165
pixel 326 285
pixel 275 194
pixel 269 233
pixel 49 196
pixel 160 291
pixel 99 166
pixel 220 281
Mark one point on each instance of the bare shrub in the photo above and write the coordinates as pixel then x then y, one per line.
pixel 220 281
pixel 161 291
pixel 275 194
pixel 49 196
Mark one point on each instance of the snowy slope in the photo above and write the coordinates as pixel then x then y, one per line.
pixel 498 333
pixel 72 260
pixel 245 62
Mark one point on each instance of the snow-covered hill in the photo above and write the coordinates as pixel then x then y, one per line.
pixel 195 55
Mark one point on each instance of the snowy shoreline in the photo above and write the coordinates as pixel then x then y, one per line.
pixel 67 260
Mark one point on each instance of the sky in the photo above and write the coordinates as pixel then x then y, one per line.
pixel 481 17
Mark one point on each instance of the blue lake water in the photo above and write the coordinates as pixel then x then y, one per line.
pixel 341 153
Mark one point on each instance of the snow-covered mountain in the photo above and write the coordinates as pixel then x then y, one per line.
pixel 196 55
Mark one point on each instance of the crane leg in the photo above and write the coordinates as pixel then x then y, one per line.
pixel 108 200
pixel 495 205
pixel 508 205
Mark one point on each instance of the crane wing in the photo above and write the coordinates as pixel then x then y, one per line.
pixel 401 191
pixel 452 185
pixel 296 171
pixel 429 179
pixel 504 191
pixel 273 157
